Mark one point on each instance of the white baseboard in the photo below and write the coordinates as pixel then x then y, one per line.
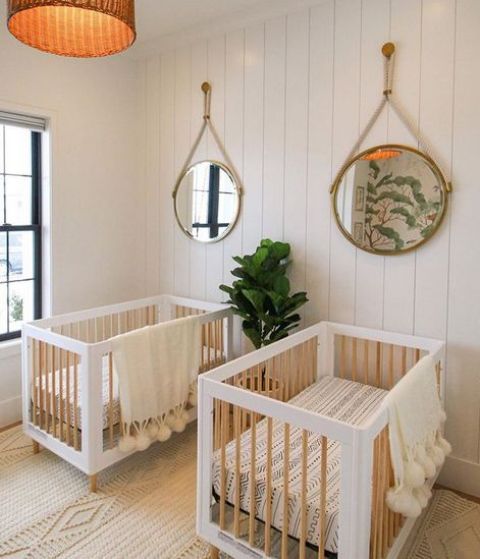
pixel 461 475
pixel 10 411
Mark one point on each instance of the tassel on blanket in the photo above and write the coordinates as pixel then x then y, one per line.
pixel 417 446
pixel 139 437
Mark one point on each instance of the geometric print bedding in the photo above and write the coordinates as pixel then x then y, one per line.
pixel 333 397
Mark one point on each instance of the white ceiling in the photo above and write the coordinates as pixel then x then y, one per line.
pixel 157 18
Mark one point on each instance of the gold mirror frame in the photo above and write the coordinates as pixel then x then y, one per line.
pixel 443 184
pixel 237 189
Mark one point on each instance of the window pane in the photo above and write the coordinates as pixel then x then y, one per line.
pixel 20 304
pixel 21 255
pixel 3 259
pixel 3 309
pixel 18 150
pixel 18 193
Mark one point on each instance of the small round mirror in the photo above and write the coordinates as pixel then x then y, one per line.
pixel 389 199
pixel 207 201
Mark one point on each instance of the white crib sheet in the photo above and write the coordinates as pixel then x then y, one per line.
pixel 214 359
pixel 348 401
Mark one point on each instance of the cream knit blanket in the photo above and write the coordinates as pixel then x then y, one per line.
pixel 157 366
pixel 417 447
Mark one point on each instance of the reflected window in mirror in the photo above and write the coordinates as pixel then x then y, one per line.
pixel 207 201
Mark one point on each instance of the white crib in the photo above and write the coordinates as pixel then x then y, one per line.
pixel 317 479
pixel 70 392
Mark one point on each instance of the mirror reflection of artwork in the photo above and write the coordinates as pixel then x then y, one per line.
pixel 207 201
pixel 404 203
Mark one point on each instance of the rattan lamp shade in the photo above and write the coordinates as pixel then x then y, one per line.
pixel 80 28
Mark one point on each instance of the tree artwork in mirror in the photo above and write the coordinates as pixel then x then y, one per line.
pixel 207 201
pixel 389 199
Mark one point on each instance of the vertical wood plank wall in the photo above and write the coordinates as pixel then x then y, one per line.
pixel 290 95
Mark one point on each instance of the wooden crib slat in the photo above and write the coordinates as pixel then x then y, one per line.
pixel 110 398
pixel 75 401
pixel 253 479
pixel 374 519
pixel 67 400
pixel 34 381
pixel 391 518
pixel 384 494
pixel 244 412
pixel 268 482
pixel 286 471
pixel 404 360
pixel 366 364
pixel 222 352
pixel 354 359
pixel 61 390
pixel 378 368
pixel 237 430
pixel 54 393
pixel 47 388
pixel 209 343
pixel 342 356
pixel 391 379
pixel 41 384
pixel 216 424
pixel 323 496
pixel 223 458
pixel 303 511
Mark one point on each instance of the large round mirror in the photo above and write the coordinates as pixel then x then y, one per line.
pixel 389 199
pixel 207 201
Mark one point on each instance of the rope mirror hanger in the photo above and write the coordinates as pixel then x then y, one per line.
pixel 390 199
pixel 205 214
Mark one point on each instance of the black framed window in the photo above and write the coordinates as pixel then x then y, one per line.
pixel 213 202
pixel 20 229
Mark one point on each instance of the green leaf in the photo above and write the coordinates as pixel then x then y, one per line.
pixel 256 298
pixel 280 251
pixel 266 243
pixel 260 256
pixel 281 285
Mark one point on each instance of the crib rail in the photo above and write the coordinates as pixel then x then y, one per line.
pixel 100 328
pixel 245 416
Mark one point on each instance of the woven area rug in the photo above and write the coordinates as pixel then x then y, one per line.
pixel 144 508
pixel 448 529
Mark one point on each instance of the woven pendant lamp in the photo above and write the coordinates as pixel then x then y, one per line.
pixel 79 28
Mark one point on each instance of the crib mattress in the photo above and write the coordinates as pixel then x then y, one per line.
pixel 341 399
pixel 106 410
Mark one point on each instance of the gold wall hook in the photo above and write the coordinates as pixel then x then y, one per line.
pixel 207 90
pixel 388 49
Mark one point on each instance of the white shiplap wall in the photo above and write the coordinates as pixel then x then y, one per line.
pixel 290 96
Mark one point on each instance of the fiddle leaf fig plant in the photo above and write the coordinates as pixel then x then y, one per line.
pixel 261 294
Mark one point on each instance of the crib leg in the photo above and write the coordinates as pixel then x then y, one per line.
pixel 214 553
pixel 36 447
pixel 93 483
